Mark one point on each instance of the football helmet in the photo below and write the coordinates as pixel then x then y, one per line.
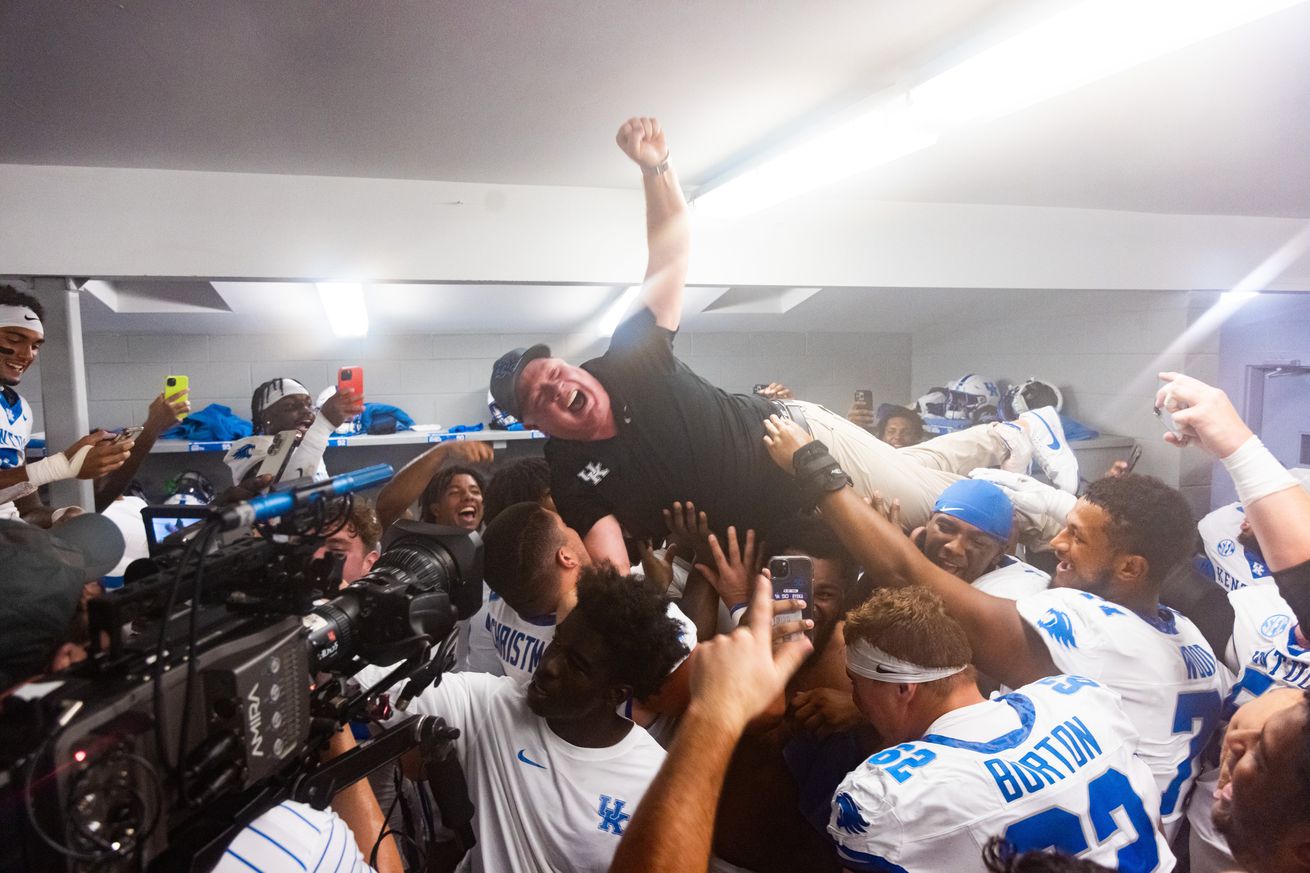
pixel 1030 394
pixel 970 398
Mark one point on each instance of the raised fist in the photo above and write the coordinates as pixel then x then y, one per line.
pixel 642 139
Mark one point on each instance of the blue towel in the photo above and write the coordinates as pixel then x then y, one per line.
pixel 374 411
pixel 466 428
pixel 214 423
pixel 1076 430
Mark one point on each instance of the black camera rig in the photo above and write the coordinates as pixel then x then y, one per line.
pixel 216 677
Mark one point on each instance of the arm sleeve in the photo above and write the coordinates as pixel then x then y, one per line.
pixel 245 456
pixel 309 454
pixel 1066 621
pixel 641 346
pixel 580 505
pixel 864 825
pixel 1294 584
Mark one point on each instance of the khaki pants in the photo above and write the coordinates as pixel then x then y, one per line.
pixel 916 475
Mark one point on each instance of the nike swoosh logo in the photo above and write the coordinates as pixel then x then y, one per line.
pixel 531 763
pixel 30 318
pixel 1054 443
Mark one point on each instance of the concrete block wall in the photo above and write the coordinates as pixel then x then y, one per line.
pixel 442 378
pixel 1103 349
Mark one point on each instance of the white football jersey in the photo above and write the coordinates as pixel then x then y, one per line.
pixel 15 433
pixel 1012 579
pixel 1227 561
pixel 1171 685
pixel 294 836
pixel 542 804
pixel 519 642
pixel 246 454
pixel 1049 765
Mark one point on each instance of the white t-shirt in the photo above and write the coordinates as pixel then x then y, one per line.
pixel 1171 685
pixel 1264 654
pixel 294 836
pixel 542 804
pixel 1012 579
pixel 1231 564
pixel 1051 764
pixel 246 454
pixel 15 433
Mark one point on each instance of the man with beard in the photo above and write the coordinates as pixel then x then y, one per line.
pixel 1101 619
pixel 554 772
pixel 1233 557
pixel 21 337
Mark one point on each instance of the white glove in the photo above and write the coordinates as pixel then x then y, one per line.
pixel 1034 499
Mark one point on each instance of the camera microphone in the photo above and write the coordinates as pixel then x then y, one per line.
pixel 272 505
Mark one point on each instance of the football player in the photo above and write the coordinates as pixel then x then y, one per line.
pixel 1050 765
pixel 1101 619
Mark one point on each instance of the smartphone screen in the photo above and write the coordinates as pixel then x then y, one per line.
pixel 793 578
pixel 279 454
pixel 127 433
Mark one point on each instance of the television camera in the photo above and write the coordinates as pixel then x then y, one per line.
pixel 216 676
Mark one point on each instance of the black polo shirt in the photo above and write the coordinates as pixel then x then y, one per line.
pixel 679 438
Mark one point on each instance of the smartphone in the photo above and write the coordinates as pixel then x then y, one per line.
pixel 174 384
pixel 279 454
pixel 127 433
pixel 793 579
pixel 352 378
pixel 760 388
pixel 1133 459
pixel 864 397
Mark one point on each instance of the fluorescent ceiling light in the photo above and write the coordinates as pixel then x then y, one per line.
pixel 609 322
pixel 1081 44
pixel 344 304
pixel 1087 42
pixel 874 137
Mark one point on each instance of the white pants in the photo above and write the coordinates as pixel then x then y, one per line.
pixel 916 475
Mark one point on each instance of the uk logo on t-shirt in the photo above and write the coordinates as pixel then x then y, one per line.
pixel 593 473
pixel 612 815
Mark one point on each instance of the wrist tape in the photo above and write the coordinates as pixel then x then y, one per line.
pixel 56 468
pixel 1256 472
pixel 817 471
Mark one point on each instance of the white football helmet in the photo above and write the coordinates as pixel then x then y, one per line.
pixel 970 397
pixel 1031 394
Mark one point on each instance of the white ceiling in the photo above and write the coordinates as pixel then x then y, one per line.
pixel 530 93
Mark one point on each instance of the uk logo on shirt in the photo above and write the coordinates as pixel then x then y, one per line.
pixel 612 815
pixel 593 473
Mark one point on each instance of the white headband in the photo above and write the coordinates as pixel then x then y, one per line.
pixel 867 660
pixel 275 389
pixel 20 316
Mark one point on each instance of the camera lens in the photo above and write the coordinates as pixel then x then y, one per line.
pixel 781 568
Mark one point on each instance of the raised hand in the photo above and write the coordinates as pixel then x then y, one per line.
pixel 167 411
pixel 1203 413
pixel 689 530
pixel 738 675
pixel 469 451
pixel 342 406
pixel 732 570
pixel 642 139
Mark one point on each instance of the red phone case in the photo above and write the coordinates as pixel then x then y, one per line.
pixel 355 381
